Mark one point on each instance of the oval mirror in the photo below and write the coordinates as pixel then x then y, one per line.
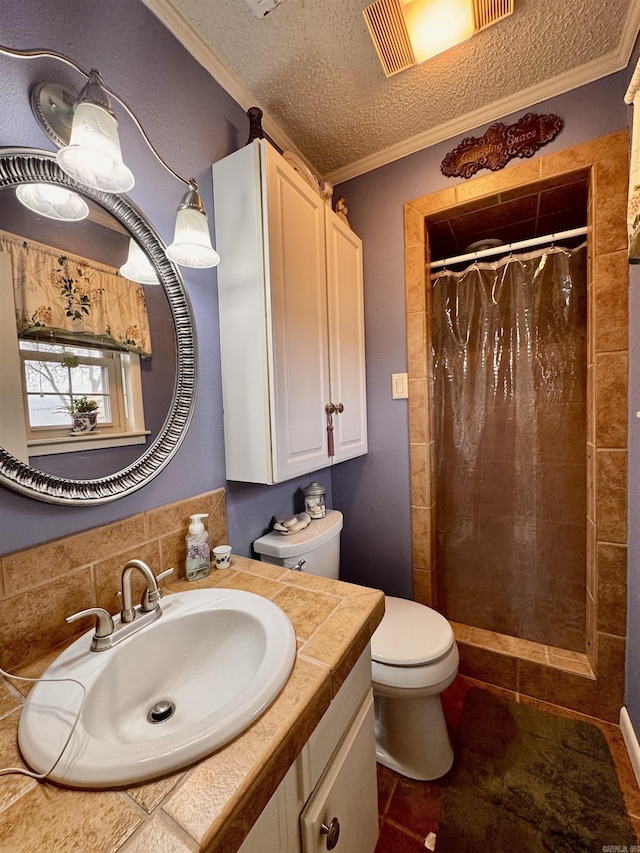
pixel 170 375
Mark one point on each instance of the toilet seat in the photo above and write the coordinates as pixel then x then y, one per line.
pixel 410 635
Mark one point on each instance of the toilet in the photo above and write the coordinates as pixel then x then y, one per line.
pixel 413 650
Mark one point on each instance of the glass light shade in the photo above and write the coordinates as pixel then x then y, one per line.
pixel 93 155
pixel 53 202
pixel 191 245
pixel 437 25
pixel 138 267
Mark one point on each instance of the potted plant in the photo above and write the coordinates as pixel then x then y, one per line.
pixel 84 414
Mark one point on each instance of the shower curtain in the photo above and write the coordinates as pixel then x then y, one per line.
pixel 509 389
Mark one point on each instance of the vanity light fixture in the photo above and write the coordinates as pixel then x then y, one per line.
pixel 85 130
pixel 53 202
pixel 138 267
pixel 408 32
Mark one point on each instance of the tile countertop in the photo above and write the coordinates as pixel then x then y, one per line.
pixel 211 805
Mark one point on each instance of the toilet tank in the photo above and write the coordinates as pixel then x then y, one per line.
pixel 318 544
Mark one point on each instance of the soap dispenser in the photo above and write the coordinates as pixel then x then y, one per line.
pixel 198 553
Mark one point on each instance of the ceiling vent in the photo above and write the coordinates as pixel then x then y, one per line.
pixel 388 28
pixel 261 8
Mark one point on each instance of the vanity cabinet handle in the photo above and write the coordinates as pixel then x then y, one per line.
pixel 332 832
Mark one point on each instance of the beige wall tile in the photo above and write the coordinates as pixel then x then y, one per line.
pixel 611 399
pixel 612 582
pixel 414 276
pixel 419 475
pixel 416 346
pixel 611 494
pixel 440 200
pixel 611 311
pixel 611 182
pixel 422 591
pixel 413 226
pixel 583 155
pixel 487 666
pixel 421 521
pixel 486 185
pixel 418 410
pixel 175 516
pixel 30 624
pixel 29 568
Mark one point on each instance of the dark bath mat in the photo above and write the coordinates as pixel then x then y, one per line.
pixel 527 781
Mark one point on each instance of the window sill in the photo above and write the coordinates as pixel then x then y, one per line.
pixel 85 441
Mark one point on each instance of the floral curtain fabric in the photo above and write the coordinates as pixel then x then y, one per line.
pixel 632 96
pixel 68 296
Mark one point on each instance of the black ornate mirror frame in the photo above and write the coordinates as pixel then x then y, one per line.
pixel 27 165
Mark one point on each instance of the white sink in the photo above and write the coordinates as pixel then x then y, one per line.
pixel 221 656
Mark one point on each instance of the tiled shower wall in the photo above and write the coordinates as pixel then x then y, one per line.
pixel 591 682
pixel 40 586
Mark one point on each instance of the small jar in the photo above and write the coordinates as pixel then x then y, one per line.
pixel 314 500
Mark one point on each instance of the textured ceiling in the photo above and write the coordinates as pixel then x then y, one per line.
pixel 312 67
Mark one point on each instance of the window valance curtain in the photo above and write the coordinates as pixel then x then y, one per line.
pixel 67 296
pixel 633 206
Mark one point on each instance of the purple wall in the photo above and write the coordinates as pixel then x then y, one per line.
pixel 193 123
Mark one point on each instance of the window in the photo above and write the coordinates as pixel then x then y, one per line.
pixel 54 374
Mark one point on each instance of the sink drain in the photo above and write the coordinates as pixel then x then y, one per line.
pixel 161 711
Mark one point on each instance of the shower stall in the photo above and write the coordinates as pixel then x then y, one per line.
pixel 509 392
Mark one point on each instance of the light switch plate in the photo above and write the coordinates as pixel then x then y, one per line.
pixel 399 386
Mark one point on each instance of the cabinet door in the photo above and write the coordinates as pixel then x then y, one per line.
pixel 346 337
pixel 297 282
pixel 348 792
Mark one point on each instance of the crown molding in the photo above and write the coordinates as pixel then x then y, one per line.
pixel 610 63
pixel 202 53
pixel 581 76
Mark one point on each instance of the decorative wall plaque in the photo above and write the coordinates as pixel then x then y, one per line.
pixel 501 144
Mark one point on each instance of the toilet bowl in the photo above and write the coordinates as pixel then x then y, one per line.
pixel 414 658
pixel 413 651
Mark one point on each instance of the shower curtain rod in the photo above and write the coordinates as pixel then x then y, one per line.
pixel 509 247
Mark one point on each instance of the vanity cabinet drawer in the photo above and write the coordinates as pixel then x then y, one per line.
pixel 344 803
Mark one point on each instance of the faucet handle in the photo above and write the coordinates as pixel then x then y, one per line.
pixel 150 599
pixel 104 620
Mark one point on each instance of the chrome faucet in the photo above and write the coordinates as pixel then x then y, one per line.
pixel 109 633
pixel 151 596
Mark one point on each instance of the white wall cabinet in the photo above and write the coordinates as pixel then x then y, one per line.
pixel 332 780
pixel 290 295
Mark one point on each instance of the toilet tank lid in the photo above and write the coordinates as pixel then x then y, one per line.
pixel 410 634
pixel 319 531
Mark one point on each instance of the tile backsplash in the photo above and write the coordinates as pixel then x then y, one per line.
pixel 42 585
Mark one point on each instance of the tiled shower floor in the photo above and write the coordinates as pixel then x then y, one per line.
pixel 410 810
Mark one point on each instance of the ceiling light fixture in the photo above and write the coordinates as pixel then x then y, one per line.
pixel 86 131
pixel 408 32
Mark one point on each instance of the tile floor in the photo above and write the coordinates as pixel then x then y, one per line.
pixel 410 810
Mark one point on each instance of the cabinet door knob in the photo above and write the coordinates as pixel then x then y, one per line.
pixel 332 832
pixel 334 408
